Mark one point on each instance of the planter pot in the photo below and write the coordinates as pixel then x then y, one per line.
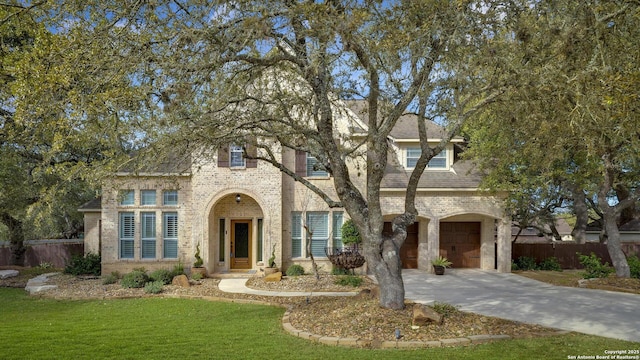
pixel 438 269
pixel 199 270
pixel 269 271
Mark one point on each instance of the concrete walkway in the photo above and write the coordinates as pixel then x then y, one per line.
pixel 513 297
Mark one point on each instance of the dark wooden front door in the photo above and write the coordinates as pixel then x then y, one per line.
pixel 241 244
pixel 409 250
pixel 460 243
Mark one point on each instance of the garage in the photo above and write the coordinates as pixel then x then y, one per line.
pixel 409 250
pixel 460 243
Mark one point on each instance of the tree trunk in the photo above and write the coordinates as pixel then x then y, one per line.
pixel 582 215
pixel 16 239
pixel 614 247
pixel 386 265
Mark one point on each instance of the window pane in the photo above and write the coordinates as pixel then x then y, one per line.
pixel 260 239
pixel 439 161
pixel 170 197
pixel 170 235
pixel 235 156
pixel 412 157
pixel 311 167
pixel 148 197
pixel 337 229
pixel 126 231
pixel 148 235
pixel 296 235
pixel 221 228
pixel 318 224
pixel 127 197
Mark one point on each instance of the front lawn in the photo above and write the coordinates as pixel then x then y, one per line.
pixel 161 328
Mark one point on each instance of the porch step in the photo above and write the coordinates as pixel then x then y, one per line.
pixel 234 274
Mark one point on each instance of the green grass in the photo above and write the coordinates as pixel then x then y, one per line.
pixel 157 328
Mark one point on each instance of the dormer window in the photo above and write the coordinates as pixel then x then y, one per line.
pixel 236 160
pixel 437 162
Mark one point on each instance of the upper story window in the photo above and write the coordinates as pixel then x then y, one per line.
pixel 148 197
pixel 235 156
pixel 170 197
pixel 312 168
pixel 127 197
pixel 437 162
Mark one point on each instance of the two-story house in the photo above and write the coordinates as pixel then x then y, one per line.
pixel 240 212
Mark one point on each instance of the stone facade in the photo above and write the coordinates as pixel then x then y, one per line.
pixel 240 216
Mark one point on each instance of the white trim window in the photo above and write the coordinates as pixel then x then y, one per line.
pixel 296 235
pixel 338 219
pixel 312 169
pixel 126 232
pixel 170 235
pixel 236 158
pixel 318 225
pixel 437 162
pixel 170 198
pixel 148 235
pixel 148 197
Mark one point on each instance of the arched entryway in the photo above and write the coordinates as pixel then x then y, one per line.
pixel 235 233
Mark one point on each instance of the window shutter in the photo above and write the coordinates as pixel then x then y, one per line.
pixel 223 156
pixel 301 163
pixel 252 151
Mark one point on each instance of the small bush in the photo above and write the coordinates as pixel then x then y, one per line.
pixel 196 276
pixel 444 309
pixel 295 270
pixel 593 267
pixel 164 275
pixel 134 279
pixel 349 280
pixel 514 266
pixel 634 266
pixel 111 278
pixel 87 265
pixel 526 263
pixel 551 264
pixel 153 287
pixel 178 269
pixel 339 271
pixel 45 266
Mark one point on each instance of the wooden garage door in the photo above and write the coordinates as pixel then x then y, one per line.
pixel 409 250
pixel 460 243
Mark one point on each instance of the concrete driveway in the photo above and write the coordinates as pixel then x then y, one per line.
pixel 513 297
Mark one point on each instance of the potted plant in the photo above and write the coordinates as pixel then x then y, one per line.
pixel 272 268
pixel 197 265
pixel 347 258
pixel 439 264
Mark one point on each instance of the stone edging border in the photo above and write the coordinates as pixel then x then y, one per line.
pixel 388 344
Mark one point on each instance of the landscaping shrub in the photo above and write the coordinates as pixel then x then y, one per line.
pixel 444 309
pixel 153 287
pixel 593 266
pixel 135 279
pixel 164 275
pixel 526 263
pixel 196 276
pixel 339 271
pixel 634 266
pixel 550 263
pixel 178 269
pixel 87 265
pixel 111 278
pixel 295 270
pixel 349 280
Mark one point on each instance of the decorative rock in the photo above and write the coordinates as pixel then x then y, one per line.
pixel 181 280
pixel 423 315
pixel 8 273
pixel 275 277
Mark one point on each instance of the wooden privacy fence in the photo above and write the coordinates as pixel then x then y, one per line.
pixel 55 252
pixel 566 253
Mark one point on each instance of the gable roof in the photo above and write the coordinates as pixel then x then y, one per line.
pixel 91 205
